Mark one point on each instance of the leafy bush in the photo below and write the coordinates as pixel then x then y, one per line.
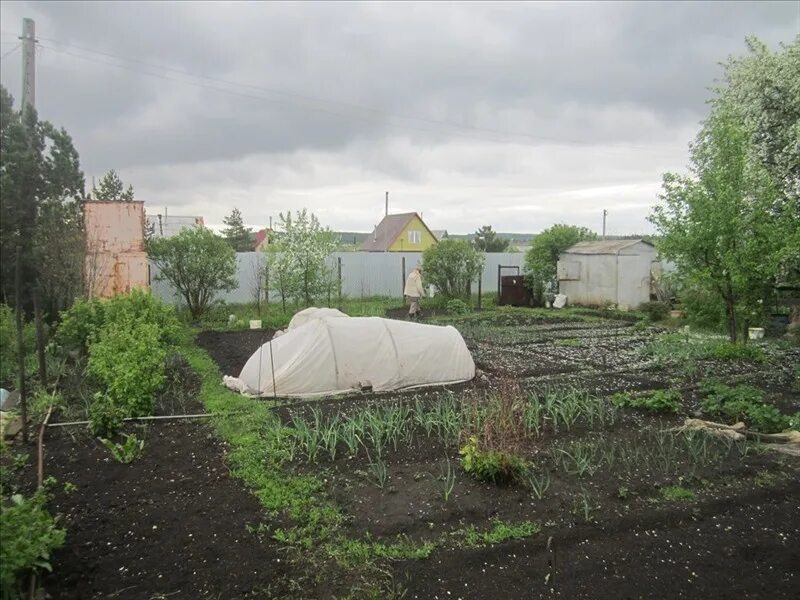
pixel 456 306
pixel 126 452
pixel 28 534
pixel 8 347
pixel 82 322
pixel 128 361
pixel 656 401
pixel 491 465
pixel 656 311
pixel 742 403
pixel 452 265
pixel 704 310
pixel 105 416
pixel 793 422
pixel 197 263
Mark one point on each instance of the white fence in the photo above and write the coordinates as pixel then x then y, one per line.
pixel 363 274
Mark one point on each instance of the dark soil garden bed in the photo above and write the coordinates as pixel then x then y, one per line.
pixel 176 523
pixel 744 547
pixel 173 522
pixel 231 349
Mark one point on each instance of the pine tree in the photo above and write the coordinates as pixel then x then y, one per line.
pixel 111 189
pixel 235 233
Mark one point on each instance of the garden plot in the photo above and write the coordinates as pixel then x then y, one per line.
pixel 509 483
pixel 582 418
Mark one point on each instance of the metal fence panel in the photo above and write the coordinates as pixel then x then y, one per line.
pixel 364 274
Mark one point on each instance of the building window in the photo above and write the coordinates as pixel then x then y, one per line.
pixel 414 237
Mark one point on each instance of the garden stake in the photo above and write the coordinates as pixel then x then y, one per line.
pixel 272 364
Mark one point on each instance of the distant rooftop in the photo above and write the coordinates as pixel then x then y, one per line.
pixel 604 246
pixel 386 232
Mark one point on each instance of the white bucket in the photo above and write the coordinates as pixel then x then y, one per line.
pixel 755 333
pixel 255 324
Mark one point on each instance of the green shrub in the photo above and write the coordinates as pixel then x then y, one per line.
pixel 793 422
pixel 143 307
pixel 8 347
pixel 452 265
pixel 491 465
pixel 82 322
pixel 704 310
pixel 28 534
pixel 656 311
pixel 456 306
pixel 656 401
pixel 105 416
pixel 128 361
pixel 742 403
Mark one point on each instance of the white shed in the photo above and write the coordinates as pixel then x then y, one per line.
pixel 609 271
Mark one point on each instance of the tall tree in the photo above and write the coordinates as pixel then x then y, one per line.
pixel 486 240
pixel 542 257
pixel 41 186
pixel 732 225
pixel 236 234
pixel 111 189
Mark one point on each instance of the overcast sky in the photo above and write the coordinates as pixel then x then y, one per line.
pixel 517 115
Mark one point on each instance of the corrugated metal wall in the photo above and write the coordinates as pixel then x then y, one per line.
pixel 116 261
pixel 623 280
pixel 363 274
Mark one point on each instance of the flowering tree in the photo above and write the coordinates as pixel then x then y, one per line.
pixel 298 257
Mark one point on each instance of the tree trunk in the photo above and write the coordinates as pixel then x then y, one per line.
pixel 730 312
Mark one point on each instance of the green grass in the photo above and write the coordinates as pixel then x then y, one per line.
pixel 349 552
pixel 501 532
pixel 569 343
pixel 681 348
pixel 676 493
pixel 257 455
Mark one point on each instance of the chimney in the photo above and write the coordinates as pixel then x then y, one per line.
pixel 387 204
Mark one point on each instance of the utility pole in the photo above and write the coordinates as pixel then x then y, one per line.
pixel 387 204
pixel 28 64
pixel 605 212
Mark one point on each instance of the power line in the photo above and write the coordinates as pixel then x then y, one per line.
pixel 313 103
pixel 14 49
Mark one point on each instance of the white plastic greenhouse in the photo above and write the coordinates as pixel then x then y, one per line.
pixel 329 354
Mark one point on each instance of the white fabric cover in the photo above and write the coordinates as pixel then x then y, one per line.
pixel 309 314
pixel 334 355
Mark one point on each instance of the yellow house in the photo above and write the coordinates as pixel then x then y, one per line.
pixel 405 232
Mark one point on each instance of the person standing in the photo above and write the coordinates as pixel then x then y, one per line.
pixel 414 291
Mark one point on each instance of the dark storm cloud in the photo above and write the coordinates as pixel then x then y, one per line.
pixel 615 78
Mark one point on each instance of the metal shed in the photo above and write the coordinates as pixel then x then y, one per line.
pixel 610 271
pixel 116 260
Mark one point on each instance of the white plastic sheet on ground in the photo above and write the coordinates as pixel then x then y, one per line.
pixel 333 355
